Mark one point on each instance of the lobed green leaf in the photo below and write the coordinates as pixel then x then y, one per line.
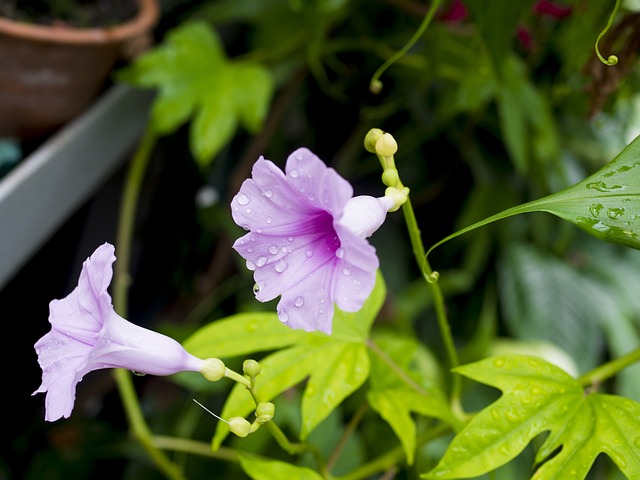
pixel 308 356
pixel 241 334
pixel 538 397
pixel 195 81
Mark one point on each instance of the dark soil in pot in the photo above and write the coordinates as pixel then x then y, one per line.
pixel 76 13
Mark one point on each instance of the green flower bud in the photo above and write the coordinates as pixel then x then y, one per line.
pixel 386 145
pixel 390 177
pixel 399 197
pixel 251 368
pixel 240 426
pixel 213 369
pixel 371 138
pixel 255 426
pixel 265 411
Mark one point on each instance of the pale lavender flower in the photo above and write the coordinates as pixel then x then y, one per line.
pixel 87 334
pixel 307 239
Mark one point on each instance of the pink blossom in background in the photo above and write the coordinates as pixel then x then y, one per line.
pixel 306 239
pixel 87 334
pixel 552 9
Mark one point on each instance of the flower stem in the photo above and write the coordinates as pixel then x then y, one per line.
pixel 344 438
pixel 438 302
pixel 375 84
pixel 612 59
pixel 126 220
pixel 124 240
pixel 195 447
pixel 609 369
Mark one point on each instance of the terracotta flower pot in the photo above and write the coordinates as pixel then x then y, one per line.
pixel 49 74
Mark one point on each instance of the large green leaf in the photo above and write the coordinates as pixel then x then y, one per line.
pixel 335 365
pixel 538 397
pixel 260 469
pixel 605 205
pixel 196 81
pixel 241 334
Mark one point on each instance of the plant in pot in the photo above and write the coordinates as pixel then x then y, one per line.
pixel 56 56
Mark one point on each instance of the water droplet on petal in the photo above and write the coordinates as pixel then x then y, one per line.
pixel 258 230
pixel 261 261
pixel 269 220
pixel 294 173
pixel 273 249
pixel 284 316
pixel 248 210
pixel 309 253
pixel 298 302
pixel 346 271
pixel 290 238
pixel 284 249
pixel 250 249
pixel 256 289
pixel 243 199
pixel 340 252
pixel 250 265
pixel 281 266
pixel 268 193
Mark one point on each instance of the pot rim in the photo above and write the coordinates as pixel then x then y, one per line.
pixel 146 18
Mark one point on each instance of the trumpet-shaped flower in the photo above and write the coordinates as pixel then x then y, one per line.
pixel 87 334
pixel 307 239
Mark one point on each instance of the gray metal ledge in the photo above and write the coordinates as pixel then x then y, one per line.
pixel 47 187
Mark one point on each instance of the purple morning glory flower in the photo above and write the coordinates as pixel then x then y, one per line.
pixel 307 239
pixel 87 334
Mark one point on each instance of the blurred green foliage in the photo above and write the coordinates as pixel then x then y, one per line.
pixel 500 104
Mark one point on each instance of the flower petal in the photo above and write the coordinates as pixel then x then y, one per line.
pixel 363 215
pixel 318 185
pixel 126 345
pixel 355 275
pixel 266 203
pixel 87 334
pixel 308 305
pixel 80 314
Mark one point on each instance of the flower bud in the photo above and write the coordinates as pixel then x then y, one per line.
pixel 390 177
pixel 251 368
pixel 399 197
pixel 265 411
pixel 255 426
pixel 213 369
pixel 386 145
pixel 371 138
pixel 240 426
